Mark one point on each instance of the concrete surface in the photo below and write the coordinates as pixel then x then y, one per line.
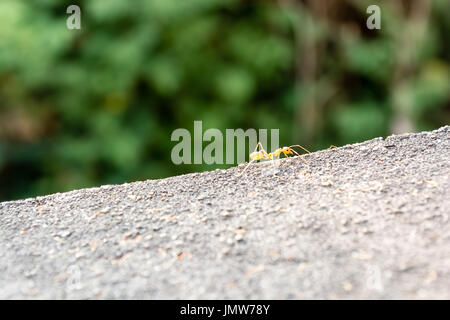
pixel 369 220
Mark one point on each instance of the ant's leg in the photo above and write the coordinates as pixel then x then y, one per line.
pixel 261 150
pixel 279 158
pixel 259 144
pixel 301 157
pixel 245 168
pixel 277 155
pixel 264 152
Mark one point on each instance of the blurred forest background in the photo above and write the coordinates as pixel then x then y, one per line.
pixel 81 108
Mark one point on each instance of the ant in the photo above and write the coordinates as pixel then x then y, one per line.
pixel 263 155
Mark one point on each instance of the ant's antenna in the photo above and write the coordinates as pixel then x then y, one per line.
pixel 297 145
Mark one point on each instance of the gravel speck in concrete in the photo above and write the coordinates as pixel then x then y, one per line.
pixel 369 220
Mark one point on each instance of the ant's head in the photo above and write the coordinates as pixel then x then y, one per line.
pixel 287 150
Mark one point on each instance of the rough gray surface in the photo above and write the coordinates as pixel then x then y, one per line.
pixel 369 220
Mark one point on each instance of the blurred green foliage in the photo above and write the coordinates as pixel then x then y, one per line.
pixel 95 106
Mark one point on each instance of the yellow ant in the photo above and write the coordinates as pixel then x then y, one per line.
pixel 263 155
pixel 259 155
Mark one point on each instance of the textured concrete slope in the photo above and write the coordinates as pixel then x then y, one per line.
pixel 369 220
